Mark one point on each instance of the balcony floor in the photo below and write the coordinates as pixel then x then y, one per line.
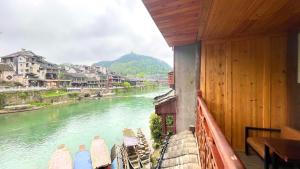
pixel 251 161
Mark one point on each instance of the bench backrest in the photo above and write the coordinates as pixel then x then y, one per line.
pixel 290 133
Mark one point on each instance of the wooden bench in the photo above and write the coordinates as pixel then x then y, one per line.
pixel 257 143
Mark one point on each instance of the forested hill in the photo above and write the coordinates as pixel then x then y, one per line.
pixel 135 64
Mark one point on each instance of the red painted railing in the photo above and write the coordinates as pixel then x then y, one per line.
pixel 214 150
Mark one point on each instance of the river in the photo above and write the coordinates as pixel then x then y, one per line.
pixel 28 139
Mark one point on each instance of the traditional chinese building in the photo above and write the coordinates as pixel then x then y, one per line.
pixel 242 58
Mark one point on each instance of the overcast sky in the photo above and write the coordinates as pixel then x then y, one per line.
pixel 80 31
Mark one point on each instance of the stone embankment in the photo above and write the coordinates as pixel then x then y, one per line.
pixel 12 101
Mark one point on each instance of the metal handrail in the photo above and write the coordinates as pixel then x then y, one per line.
pixel 226 156
pixel 163 151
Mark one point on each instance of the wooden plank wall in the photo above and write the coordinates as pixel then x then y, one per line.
pixel 293 88
pixel 243 81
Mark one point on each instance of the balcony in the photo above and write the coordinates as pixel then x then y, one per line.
pixel 171 80
pixel 247 71
pixel 208 144
pixel 214 149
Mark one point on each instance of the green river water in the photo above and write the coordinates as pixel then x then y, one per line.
pixel 28 139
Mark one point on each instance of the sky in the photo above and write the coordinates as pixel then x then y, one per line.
pixel 80 31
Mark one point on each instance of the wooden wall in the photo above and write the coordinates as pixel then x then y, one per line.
pixel 243 81
pixel 293 90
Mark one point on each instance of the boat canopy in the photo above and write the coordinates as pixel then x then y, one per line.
pixel 130 141
pixel 129 138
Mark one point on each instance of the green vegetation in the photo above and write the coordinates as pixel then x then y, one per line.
pixel 2 100
pixel 140 75
pixel 39 104
pixel 23 95
pixel 73 95
pixel 147 83
pixel 10 84
pixel 169 120
pixel 54 93
pixel 137 65
pixel 154 156
pixel 156 130
pixel 126 85
pixel 61 76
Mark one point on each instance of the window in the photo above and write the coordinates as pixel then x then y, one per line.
pixel 169 120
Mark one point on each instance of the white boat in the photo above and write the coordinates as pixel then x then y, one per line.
pixel 100 154
pixel 61 159
pixel 116 157
pixel 130 143
pixel 143 150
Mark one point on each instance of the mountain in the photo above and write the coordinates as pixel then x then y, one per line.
pixel 135 64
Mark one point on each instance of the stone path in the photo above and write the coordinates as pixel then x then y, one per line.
pixel 181 152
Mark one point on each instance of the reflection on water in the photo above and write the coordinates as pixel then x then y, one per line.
pixel 28 139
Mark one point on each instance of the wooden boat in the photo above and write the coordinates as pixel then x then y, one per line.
pixel 61 159
pixel 143 149
pixel 130 146
pixel 82 159
pixel 99 154
pixel 116 157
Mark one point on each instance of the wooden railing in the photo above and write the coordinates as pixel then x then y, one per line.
pixel 214 150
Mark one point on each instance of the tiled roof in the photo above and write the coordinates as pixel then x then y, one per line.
pixel 164 97
pixel 182 152
pixel 22 53
pixel 74 75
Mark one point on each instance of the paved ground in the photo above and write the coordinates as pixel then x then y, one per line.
pixel 181 152
pixel 252 161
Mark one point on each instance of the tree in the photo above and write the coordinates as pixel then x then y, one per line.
pixel 140 75
pixel 61 76
pixel 156 129
pixel 126 85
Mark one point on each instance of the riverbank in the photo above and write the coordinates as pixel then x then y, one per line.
pixel 28 139
pixel 14 102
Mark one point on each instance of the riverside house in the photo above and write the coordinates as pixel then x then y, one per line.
pixel 6 72
pixel 31 69
pixel 236 73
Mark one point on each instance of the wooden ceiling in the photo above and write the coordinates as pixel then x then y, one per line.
pixel 184 22
pixel 177 20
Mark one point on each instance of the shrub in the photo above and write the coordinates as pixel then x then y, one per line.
pixel 23 95
pixel 156 129
pixel 2 101
pixel 126 85
pixel 73 95
pixel 53 93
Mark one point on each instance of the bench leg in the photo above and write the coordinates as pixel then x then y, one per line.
pixel 267 157
pixel 274 161
pixel 246 149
